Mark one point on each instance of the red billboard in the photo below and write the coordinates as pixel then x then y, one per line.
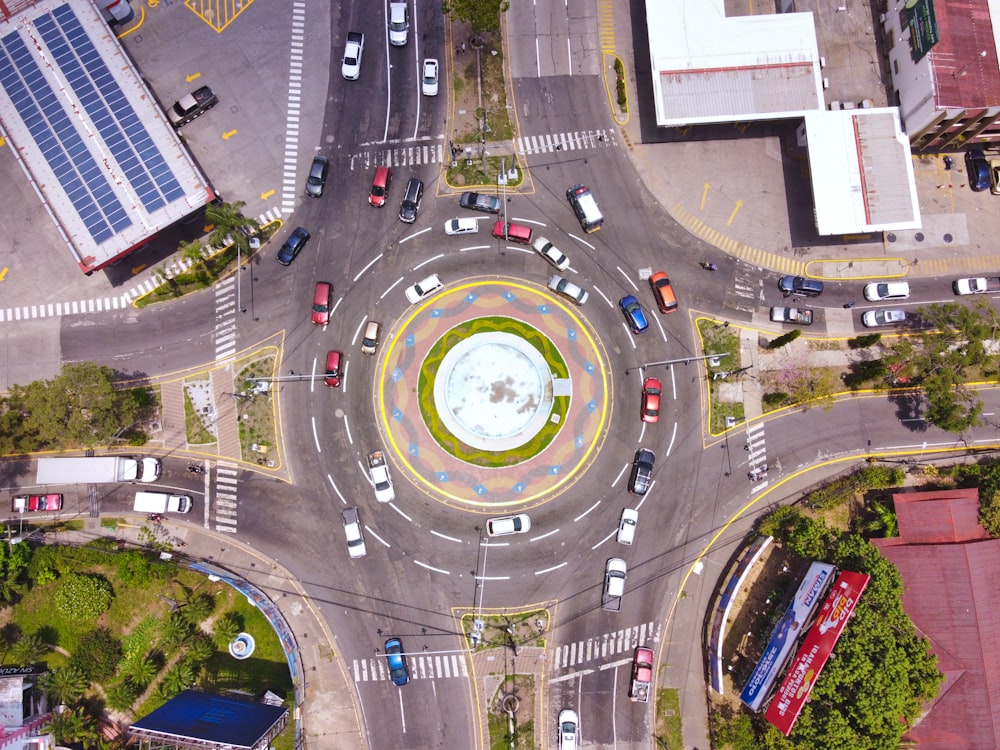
pixel 816 649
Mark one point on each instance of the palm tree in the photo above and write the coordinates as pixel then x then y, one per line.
pixel 65 684
pixel 200 649
pixel 143 670
pixel 9 635
pixel 192 251
pixel 198 607
pixel 227 627
pixel 176 631
pixel 181 677
pixel 229 220
pixel 30 648
pixel 74 726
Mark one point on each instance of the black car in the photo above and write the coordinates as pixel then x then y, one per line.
pixel 642 471
pixel 317 176
pixel 978 169
pixel 489 204
pixel 293 245
pixel 411 201
pixel 790 285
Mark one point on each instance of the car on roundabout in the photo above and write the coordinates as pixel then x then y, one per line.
pixel 511 232
pixel 641 477
pixel 398 671
pixel 663 292
pixel 505 525
pixel 293 245
pixel 322 303
pixel 568 289
pixel 651 389
pixel 467 225
pixel 331 378
pixel 551 253
pixel 423 289
pixel 488 204
pixel 352 531
pixel 634 315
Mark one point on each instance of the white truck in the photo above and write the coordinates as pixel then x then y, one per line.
pixel 976 285
pixel 350 66
pixel 381 480
pixel 97 469
pixel 614 584
pixel 161 502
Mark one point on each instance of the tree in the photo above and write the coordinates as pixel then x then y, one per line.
pixel 199 649
pixel 181 677
pixel 29 649
pixel 98 654
pixel 230 223
pixel 142 671
pixel 74 726
pixel 14 560
pixel 227 627
pixel 122 695
pixel 197 608
pixel 83 596
pixel 482 15
pixel 65 684
pixel 176 631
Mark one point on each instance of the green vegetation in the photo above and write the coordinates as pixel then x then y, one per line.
pixel 668 718
pixel 482 15
pixel 785 338
pixel 79 407
pixel 195 431
pixel 256 408
pixel 620 88
pixel 809 386
pixel 719 339
pixel 425 391
pixel 522 687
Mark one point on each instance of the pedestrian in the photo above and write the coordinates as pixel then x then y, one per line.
pixel 463 46
pixel 849 305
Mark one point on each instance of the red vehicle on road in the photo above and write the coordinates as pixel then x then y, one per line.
pixel 642 674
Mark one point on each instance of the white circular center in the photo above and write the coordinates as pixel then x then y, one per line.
pixel 493 391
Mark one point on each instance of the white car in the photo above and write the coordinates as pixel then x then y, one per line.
pixel 626 526
pixel 875 318
pixel 399 23
pixel 568 289
pixel 423 289
pixel 352 530
pixel 569 729
pixel 880 290
pixel 505 525
pixel 551 253
pixel 461 226
pixel 430 80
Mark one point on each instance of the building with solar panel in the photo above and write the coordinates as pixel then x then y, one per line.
pixel 87 132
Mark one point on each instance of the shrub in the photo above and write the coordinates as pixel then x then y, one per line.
pixel 774 400
pixel 83 597
pixel 98 655
pixel 784 339
pixel 863 342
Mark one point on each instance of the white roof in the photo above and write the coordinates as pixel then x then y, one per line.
pixel 89 134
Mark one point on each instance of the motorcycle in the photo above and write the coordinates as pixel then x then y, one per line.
pixel 154 517
pixel 196 469
pixel 709 266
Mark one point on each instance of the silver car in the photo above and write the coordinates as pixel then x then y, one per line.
pixel 551 253
pixel 875 318
pixel 461 226
pixel 505 525
pixel 430 80
pixel 568 289
pixel 423 289
pixel 352 530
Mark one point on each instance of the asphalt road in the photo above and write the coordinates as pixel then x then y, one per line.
pixel 426 559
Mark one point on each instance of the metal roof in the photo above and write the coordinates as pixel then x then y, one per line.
pixel 964 60
pixel 88 133
pixel 948 569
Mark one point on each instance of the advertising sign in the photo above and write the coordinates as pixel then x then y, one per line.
pixel 816 649
pixel 785 633
pixel 924 34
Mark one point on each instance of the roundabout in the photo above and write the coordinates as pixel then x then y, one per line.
pixel 493 395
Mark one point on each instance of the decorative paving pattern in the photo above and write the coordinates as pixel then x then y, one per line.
pixel 451 480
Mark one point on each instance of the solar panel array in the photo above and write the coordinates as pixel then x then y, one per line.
pixel 87 183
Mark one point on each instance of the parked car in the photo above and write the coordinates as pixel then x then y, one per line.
pixel 881 290
pixel 568 289
pixel 978 169
pixel 799 285
pixel 423 289
pixel 488 204
pixel 316 180
pixel 461 226
pixel 627 525
pixel 293 246
pixel 517 524
pixel 369 339
pixel 663 292
pixel 410 204
pixel 634 316
pixel 651 400
pixel 551 253
pixel 331 379
pixel 995 176
pixel 352 530
pixel 192 106
pixel 322 302
pixel 512 232
pixel 36 503
pixel 397 662
pixel 875 318
pixel 380 186
pixel 642 472
pixel 429 85
pixel 569 729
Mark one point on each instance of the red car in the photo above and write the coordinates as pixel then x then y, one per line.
pixel 33 503
pixel 512 232
pixel 322 302
pixel 663 293
pixel 651 400
pixel 332 377
pixel 380 186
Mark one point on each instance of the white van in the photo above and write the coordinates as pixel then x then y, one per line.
pixel 161 502
pixel 585 208
pixel 880 290
pixel 626 526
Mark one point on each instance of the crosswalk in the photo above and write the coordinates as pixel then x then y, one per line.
pixel 225 497
pixel 578 139
pixel 112 302
pixel 756 448
pixel 224 334
pixel 429 667
pixel 605 646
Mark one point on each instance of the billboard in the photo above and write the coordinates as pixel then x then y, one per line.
pixel 922 22
pixel 816 649
pixel 785 633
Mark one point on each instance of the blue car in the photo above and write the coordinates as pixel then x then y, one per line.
pixel 397 662
pixel 293 245
pixel 978 169
pixel 633 313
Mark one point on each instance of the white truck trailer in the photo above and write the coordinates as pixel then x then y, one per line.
pixel 97 469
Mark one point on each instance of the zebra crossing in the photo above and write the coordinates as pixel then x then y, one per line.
pixel 118 301
pixel 756 448
pixel 605 646
pixel 224 334
pixel 225 497
pixel 422 667
pixel 579 139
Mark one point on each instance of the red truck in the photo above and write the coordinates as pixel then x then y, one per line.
pixel 642 674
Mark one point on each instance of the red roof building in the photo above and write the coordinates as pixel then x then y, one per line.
pixel 948 563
